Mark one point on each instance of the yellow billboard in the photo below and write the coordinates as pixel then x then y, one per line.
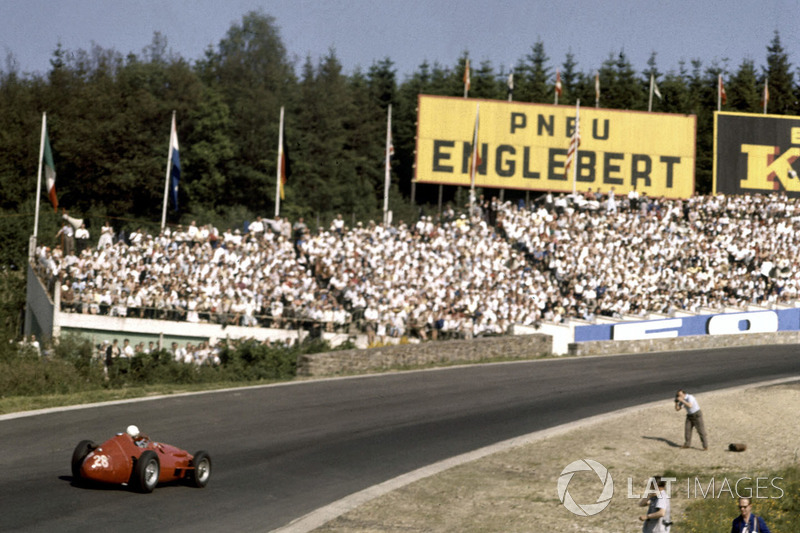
pixel 524 146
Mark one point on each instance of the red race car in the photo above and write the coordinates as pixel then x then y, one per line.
pixel 134 460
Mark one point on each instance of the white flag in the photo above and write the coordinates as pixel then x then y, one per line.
pixel 655 87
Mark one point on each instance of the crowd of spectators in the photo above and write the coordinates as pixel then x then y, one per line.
pixel 467 274
pixel 202 353
pixel 635 255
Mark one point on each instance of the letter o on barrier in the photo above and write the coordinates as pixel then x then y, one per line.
pixel 755 322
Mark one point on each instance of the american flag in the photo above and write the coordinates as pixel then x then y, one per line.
pixel 575 141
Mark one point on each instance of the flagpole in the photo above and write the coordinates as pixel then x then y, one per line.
pixel 278 169
pixel 388 178
pixel 650 103
pixel 474 168
pixel 466 78
pixel 596 89
pixel 466 94
pixel 719 93
pixel 766 94
pixel 577 145
pixel 39 181
pixel 558 86
pixel 169 169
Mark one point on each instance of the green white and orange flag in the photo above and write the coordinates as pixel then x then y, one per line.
pixel 49 171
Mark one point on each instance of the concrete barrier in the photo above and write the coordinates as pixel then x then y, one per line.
pixel 695 342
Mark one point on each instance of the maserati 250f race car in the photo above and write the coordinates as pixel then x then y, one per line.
pixel 132 459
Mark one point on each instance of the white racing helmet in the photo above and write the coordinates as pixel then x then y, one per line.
pixel 133 431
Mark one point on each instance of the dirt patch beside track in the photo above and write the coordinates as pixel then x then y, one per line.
pixel 516 490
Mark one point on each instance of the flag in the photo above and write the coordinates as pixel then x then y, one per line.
pixel 475 160
pixel 175 165
pixel 655 87
pixel 575 140
pixel 510 85
pixel 391 145
pixel 558 83
pixel 653 90
pixel 765 97
pixel 466 78
pixel 721 89
pixel 49 171
pixel 597 89
pixel 388 167
pixel 285 166
pixel 282 166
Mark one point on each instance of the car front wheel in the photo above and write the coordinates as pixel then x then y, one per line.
pixel 147 471
pixel 202 469
pixel 83 449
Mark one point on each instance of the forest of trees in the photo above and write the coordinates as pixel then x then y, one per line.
pixel 109 117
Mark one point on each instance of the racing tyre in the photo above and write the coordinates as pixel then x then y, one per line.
pixel 81 451
pixel 146 472
pixel 202 469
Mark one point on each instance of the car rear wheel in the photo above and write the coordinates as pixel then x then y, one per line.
pixel 202 469
pixel 146 471
pixel 83 449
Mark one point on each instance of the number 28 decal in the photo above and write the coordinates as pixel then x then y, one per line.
pixel 100 461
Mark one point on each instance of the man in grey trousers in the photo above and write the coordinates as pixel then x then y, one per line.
pixel 694 418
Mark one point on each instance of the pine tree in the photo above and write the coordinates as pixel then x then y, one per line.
pixel 484 83
pixel 781 80
pixel 534 80
pixel 571 82
pixel 743 92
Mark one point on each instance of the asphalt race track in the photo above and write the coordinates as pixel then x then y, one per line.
pixel 280 452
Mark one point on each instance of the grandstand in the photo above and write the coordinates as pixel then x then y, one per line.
pixel 501 269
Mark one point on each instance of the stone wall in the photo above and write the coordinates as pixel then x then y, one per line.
pixel 696 342
pixel 348 362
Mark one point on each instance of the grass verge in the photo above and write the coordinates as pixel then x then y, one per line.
pixel 15 404
pixel 781 510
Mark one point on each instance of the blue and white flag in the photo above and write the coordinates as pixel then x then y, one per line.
pixel 175 166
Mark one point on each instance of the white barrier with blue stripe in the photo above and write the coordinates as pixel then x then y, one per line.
pixel 719 324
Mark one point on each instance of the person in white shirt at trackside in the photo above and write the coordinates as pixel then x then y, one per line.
pixel 694 418
pixel 657 519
